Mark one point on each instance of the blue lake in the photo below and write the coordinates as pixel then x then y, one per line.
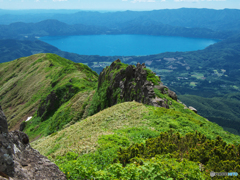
pixel 125 45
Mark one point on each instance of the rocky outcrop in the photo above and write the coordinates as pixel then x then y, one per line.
pixel 166 90
pixel 6 158
pixel 51 104
pixel 132 83
pixel 193 109
pixel 55 99
pixel 20 161
pixel 3 122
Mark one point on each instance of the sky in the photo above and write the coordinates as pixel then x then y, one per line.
pixel 118 4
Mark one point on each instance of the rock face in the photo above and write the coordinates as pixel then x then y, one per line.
pixel 193 109
pixel 6 158
pixel 19 160
pixel 54 100
pixel 132 83
pixel 3 122
pixel 49 105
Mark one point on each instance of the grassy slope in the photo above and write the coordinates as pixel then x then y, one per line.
pixel 96 139
pixel 88 148
pixel 222 110
pixel 131 122
pixel 27 81
pixel 82 137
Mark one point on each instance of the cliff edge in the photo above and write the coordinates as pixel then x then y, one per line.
pixel 120 82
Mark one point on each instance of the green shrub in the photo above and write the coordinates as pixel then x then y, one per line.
pixel 113 140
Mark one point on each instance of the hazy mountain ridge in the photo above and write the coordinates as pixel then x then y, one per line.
pixel 221 20
pixel 25 31
pixel 179 22
pixel 31 31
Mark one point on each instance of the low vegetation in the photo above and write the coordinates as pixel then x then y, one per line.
pixel 90 148
pixel 221 110
pixel 53 90
pixel 73 125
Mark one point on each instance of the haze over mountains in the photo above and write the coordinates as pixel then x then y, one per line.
pixel 196 23
pixel 78 114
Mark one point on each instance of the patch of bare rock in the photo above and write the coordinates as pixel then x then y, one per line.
pixel 133 84
pixel 19 161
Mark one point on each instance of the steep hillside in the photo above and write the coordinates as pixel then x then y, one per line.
pixel 222 110
pixel 41 86
pixel 88 148
pixel 123 124
pixel 221 20
pixel 19 160
pixel 157 134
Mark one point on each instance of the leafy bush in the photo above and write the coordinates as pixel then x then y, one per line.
pixel 216 155
pixel 113 140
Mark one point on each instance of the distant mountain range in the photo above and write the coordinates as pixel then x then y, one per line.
pixel 217 20
pixel 32 31
pixel 178 22
pixel 207 21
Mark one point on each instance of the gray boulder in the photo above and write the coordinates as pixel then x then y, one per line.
pixel 3 122
pixel 193 109
pixel 163 89
pixel 20 161
pixel 172 95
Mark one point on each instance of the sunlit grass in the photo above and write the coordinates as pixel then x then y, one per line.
pixel 82 137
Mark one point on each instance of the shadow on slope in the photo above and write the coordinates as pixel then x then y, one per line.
pixel 41 86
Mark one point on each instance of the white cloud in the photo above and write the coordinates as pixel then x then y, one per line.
pixel 59 0
pixel 195 0
pixel 135 1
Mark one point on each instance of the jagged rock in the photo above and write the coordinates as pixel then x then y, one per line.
pixel 163 89
pixel 3 122
pixel 19 161
pixel 6 159
pixel 22 126
pixel 157 101
pixel 193 109
pixel 132 84
pixel 49 105
pixel 172 94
